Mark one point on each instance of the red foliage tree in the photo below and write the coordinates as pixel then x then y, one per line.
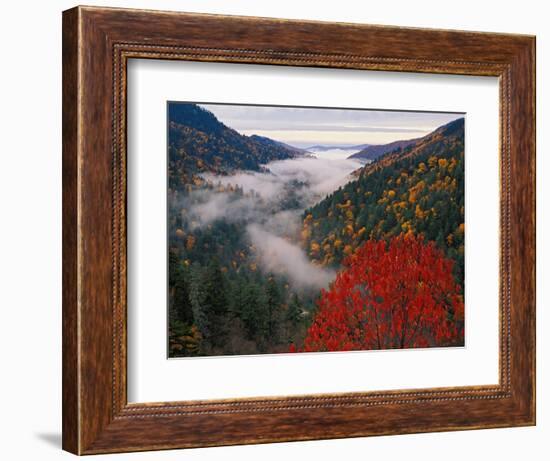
pixel 399 294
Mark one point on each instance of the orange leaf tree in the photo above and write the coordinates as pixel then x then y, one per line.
pixel 396 294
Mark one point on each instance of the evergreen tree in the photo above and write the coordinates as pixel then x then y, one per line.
pixel 197 296
pixel 215 303
pixel 180 308
pixel 253 311
pixel 294 311
pixel 183 309
pixel 273 304
pixel 237 295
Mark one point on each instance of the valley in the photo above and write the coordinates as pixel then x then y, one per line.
pixel 259 230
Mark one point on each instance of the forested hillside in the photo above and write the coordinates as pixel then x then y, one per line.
pixel 198 143
pixel 220 302
pixel 369 153
pixel 417 190
pixel 271 143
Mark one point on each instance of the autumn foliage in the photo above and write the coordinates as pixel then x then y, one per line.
pixel 396 294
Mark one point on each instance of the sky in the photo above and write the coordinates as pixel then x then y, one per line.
pixel 305 127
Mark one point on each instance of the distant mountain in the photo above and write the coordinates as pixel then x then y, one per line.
pixel 418 189
pixel 321 148
pixel 199 142
pixel 451 130
pixel 374 151
pixel 277 144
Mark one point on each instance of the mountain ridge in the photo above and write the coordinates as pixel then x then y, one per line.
pixel 200 143
pixel 419 189
pixel 274 142
pixel 323 147
pixel 453 128
pixel 374 151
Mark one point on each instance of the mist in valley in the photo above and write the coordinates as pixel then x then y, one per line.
pixel 270 206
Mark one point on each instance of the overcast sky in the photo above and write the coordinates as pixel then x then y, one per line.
pixel 304 127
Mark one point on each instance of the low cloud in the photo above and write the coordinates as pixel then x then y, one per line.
pixel 270 224
pixel 267 185
pixel 336 153
pixel 318 177
pixel 322 175
pixel 279 256
pixel 285 223
pixel 219 205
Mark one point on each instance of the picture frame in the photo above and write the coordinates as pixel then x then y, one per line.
pixel 97 45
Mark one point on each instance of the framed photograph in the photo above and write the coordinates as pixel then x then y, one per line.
pixel 281 230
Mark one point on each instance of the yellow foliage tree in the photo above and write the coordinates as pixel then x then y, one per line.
pixel 314 248
pixel 190 242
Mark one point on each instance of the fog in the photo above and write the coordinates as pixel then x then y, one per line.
pixel 333 154
pixel 219 205
pixel 271 210
pixel 319 176
pixel 278 256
